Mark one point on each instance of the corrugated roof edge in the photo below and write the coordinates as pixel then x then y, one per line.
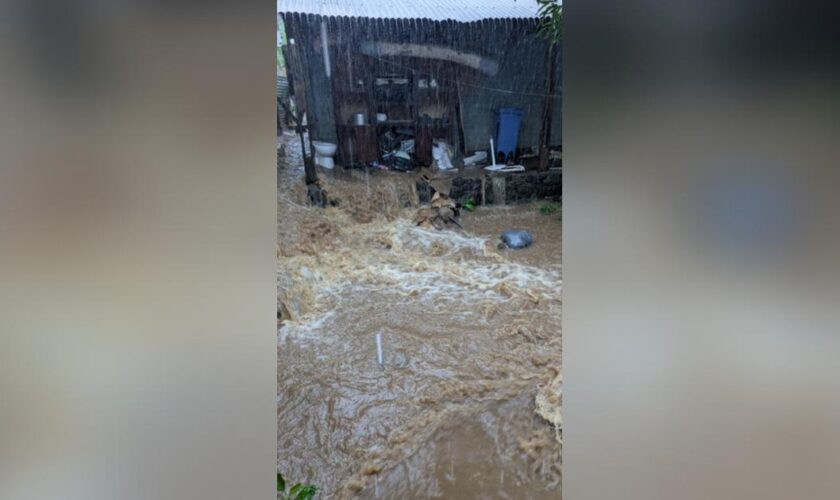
pixel 444 10
pixel 429 19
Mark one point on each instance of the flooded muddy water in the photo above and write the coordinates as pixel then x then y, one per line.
pixel 467 402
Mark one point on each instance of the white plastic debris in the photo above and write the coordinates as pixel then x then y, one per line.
pixel 478 157
pixel 441 154
pixel 380 360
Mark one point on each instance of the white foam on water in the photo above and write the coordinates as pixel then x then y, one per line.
pixel 462 272
pixel 411 236
pixel 309 327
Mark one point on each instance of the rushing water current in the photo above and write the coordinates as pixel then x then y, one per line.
pixel 466 404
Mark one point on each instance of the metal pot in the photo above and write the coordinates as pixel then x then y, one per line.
pixel 359 118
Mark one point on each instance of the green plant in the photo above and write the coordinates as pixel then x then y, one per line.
pixel 550 207
pixel 551 20
pixel 469 205
pixel 299 491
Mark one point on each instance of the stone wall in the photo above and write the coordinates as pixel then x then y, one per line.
pixel 528 186
pixel 466 188
pixel 515 188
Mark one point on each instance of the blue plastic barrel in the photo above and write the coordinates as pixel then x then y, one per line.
pixel 507 129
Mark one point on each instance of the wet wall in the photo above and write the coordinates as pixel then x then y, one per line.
pixel 519 83
pixel 556 136
pixel 321 118
pixel 513 44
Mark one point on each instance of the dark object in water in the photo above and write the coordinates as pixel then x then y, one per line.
pixel 517 238
pixel 317 196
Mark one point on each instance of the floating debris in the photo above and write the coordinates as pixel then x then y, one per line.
pixel 442 212
pixel 517 238
pixel 549 402
pixel 380 360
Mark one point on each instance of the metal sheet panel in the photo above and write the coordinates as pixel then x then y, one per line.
pixel 439 10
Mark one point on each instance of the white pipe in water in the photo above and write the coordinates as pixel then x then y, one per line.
pixel 326 46
pixel 379 358
pixel 492 152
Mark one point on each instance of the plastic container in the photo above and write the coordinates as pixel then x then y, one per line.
pixel 507 130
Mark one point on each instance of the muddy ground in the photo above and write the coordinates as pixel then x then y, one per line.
pixel 467 404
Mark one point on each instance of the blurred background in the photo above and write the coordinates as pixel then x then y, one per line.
pixel 700 244
pixel 137 212
pixel 137 271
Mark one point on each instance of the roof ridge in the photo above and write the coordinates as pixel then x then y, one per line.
pixel 439 10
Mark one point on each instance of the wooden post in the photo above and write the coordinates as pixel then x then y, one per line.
pixel 296 68
pixel 548 106
pixel 458 120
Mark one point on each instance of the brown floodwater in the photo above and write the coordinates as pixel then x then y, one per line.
pixel 467 402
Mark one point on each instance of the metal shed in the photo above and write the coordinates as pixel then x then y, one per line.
pixel 442 68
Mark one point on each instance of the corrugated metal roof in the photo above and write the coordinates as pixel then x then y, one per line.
pixel 438 10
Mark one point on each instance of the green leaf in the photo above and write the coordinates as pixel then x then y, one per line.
pixel 550 26
pixel 307 492
pixel 295 489
pixel 469 205
pixel 281 483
